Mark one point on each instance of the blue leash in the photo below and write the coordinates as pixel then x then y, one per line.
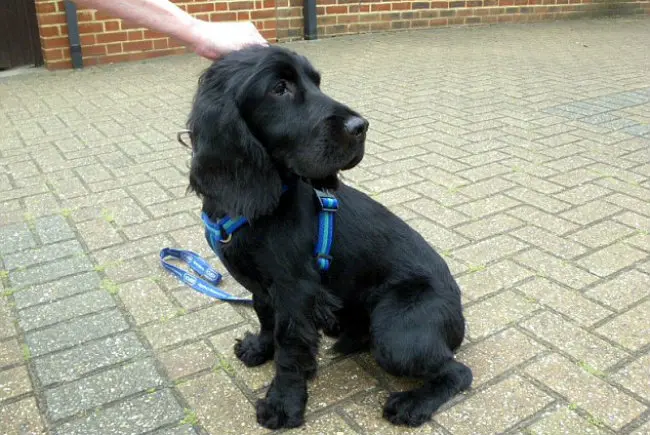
pixel 207 286
pixel 221 232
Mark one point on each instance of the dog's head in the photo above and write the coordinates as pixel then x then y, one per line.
pixel 258 115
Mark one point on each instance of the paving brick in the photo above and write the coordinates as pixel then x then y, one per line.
pixel 504 309
pixel 517 399
pixel 634 220
pixel 498 354
pixel 191 325
pixel 440 238
pixel 21 417
pixel 53 229
pixel 73 363
pixel 44 315
pixel 107 386
pixel 621 291
pixel 188 359
pixel 642 430
pixel 639 206
pixel 547 241
pixel 601 234
pixel 604 402
pixel 50 271
pixel 549 222
pixel 583 346
pixel 42 255
pixel 145 301
pixel 487 206
pixel 488 227
pixel 337 382
pixel 131 250
pixel 364 412
pixel 14 382
pixel 446 197
pixel 566 301
pixel 564 421
pixel 630 329
pixel 144 413
pixel 158 226
pixel 59 289
pixel 75 332
pixel 445 216
pixel 611 259
pixel 546 265
pixel 538 200
pixel 489 250
pixel 16 237
pixel 495 277
pixel 10 353
pixel 148 193
pixel 254 378
pixel 98 234
pixel 634 377
pixel 220 407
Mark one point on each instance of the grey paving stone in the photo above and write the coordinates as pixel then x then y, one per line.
pixel 191 325
pixel 14 238
pixel 98 234
pixel 75 332
pixel 611 259
pixel 517 400
pixel 493 278
pixel 582 345
pixel 42 255
pixel 188 359
pixel 566 301
pixel 562 420
pixel 10 353
pixel 21 417
pixel 630 329
pixel 53 229
pixel 75 362
pixel 546 265
pixel 220 406
pixel 59 289
pixel 498 354
pixel 606 403
pixel 49 271
pixel 485 251
pixel 439 237
pixel 14 382
pixel 504 308
pixel 144 413
pixel 98 389
pixel 548 241
pixel 75 306
pixel 621 291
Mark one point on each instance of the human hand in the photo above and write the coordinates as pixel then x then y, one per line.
pixel 213 40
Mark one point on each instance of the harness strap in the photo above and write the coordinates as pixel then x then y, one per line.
pixel 222 230
pixel 329 205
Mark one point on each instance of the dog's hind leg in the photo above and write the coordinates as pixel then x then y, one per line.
pixel 414 331
pixel 256 349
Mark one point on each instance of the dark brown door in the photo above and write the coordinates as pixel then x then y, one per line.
pixel 19 40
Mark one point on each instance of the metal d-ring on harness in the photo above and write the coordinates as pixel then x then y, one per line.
pixel 221 231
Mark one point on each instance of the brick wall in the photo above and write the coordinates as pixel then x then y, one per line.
pixel 106 39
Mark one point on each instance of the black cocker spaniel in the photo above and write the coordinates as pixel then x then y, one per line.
pixel 264 137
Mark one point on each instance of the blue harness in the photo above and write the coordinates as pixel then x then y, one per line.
pixel 221 232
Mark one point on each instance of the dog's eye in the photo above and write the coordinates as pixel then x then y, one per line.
pixel 280 88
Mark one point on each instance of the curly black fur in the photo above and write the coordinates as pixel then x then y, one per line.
pixel 259 120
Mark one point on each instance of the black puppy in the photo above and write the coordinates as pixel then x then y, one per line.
pixel 259 123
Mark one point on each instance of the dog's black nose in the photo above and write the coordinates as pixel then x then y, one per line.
pixel 356 126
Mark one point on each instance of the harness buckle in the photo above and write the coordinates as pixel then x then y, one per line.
pixel 327 201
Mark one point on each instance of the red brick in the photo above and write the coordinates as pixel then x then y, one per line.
pixel 111 26
pixel 440 5
pixel 112 37
pixel 336 9
pixel 223 16
pixel 48 19
pixel 200 7
pixel 137 45
pixel 380 7
pixel 159 44
pixel 90 27
pixel 56 42
pixel 87 40
pixel 263 14
pixel 49 31
pixel 45 8
pixel 400 6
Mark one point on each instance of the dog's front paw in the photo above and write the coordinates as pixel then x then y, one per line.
pixel 274 412
pixel 254 350
pixel 407 408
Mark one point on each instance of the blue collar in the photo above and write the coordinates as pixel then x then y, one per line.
pixel 221 231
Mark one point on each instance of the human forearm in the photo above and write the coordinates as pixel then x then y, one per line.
pixel 160 15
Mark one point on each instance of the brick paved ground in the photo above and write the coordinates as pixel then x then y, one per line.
pixel 521 152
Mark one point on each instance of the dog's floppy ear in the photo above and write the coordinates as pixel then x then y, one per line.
pixel 229 166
